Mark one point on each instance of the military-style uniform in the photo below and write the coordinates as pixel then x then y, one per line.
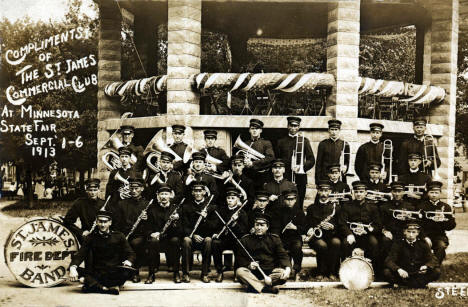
pixel 173 179
pixel 328 153
pixel 259 170
pixel 85 209
pixel 220 154
pixel 415 179
pixel 137 150
pixel 274 187
pixel 339 186
pixel 247 184
pixel 367 153
pixel 209 180
pixel 413 145
pixel 179 149
pixel 113 184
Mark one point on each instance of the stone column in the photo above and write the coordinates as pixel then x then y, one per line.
pixel 444 49
pixel 343 62
pixel 184 55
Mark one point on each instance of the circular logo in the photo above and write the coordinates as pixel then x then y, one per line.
pixel 39 252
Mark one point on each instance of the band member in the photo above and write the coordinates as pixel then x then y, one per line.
pixel 179 147
pixel 289 225
pixel 331 151
pixel 85 209
pixel 295 143
pixel 199 223
pixel 109 250
pixel 167 175
pixel 128 132
pixel 117 185
pixel 360 224
pixel 337 186
pixel 322 231
pixel 197 172
pixel 126 215
pixel 257 169
pixel 375 181
pixel 216 152
pixel 395 215
pixel 279 184
pixel 261 206
pixel 438 218
pixel 416 180
pixel 237 177
pixel 238 222
pixel 262 252
pixel 162 214
pixel 369 152
pixel 411 262
pixel 415 144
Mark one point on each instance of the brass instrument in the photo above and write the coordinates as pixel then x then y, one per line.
pixel 161 142
pixel 124 190
pixel 404 215
pixel 360 228
pixel 111 160
pixel 387 160
pixel 140 217
pixel 149 162
pixel 122 117
pixel 249 153
pixel 345 158
pixel 209 161
pixel 236 184
pixel 297 158
pixel 317 231
pixel 340 196
pixel 205 209
pixel 438 216
pixel 430 155
pixel 378 196
pixel 415 189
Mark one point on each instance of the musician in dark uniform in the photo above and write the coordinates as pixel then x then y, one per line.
pixel 411 262
pixel 261 205
pixel 278 184
pixel 109 252
pixel 370 152
pixel 161 214
pixel 376 184
pixel 237 220
pixel 415 144
pixel 167 175
pixel 197 172
pixel 289 224
pixel 394 222
pixel 416 180
pixel 362 213
pixel 322 231
pixel 337 186
pixel 179 147
pixel 126 215
pixel 284 150
pixel 118 178
pixel 268 253
pixel 85 209
pixel 216 152
pixel 435 224
pixel 330 151
pixel 198 208
pixel 128 132
pixel 236 174
pixel 257 169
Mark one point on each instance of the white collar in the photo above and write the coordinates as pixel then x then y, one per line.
pixel 414 171
pixel 419 139
pixel 334 140
pixel 278 181
pixel 323 203
pixel 434 202
pixel 374 142
pixel 293 135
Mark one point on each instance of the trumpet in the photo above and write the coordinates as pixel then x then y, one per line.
pixel 297 158
pixel 430 155
pixel 360 228
pixel 317 231
pixel 249 153
pixel 111 160
pixel 340 196
pixel 387 160
pixel 439 216
pixel 378 196
pixel 404 215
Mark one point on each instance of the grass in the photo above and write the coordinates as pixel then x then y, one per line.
pixel 41 208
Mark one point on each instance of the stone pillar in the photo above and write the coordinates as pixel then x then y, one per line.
pixel 427 56
pixel 343 62
pixel 444 49
pixel 109 48
pixel 184 55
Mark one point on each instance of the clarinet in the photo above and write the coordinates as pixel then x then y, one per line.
pixel 200 217
pixel 170 220
pixel 102 208
pixel 139 219
pixel 231 220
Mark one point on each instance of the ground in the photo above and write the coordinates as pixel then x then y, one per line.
pixel 68 294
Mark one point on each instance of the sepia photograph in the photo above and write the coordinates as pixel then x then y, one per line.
pixel 234 153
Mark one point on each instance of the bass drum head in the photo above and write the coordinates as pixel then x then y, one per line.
pixel 356 273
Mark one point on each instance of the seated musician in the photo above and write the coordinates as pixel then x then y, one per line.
pixel 216 152
pixel 164 230
pixel 197 172
pixel 85 209
pixel 376 184
pixel 261 205
pixel 322 231
pixel 199 223
pixel 278 184
pixel 437 218
pixel 109 250
pixel 118 178
pixel 359 223
pixel 288 223
pixel 395 214
pixel 233 214
pixel 337 186
pixel 411 262
pixel 416 180
pixel 237 175
pixel 263 262
pixel 126 215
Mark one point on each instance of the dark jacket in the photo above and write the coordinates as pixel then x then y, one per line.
pixel 412 145
pixel 265 148
pixel 190 214
pixel 220 154
pixel 389 222
pixel 173 179
pixel 240 227
pixel 410 257
pixel 318 212
pixel 85 209
pixel 283 216
pixel 127 213
pixel 284 151
pixel 277 188
pixel 328 153
pixel 367 153
pixel 433 229
pixel 158 216
pixel 360 213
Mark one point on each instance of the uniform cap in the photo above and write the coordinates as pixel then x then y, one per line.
pixel 210 133
pixel 334 123
pixel 178 128
pixel 293 120
pixel 199 155
pixel 256 123
pixel 376 127
pixel 92 183
pixel 359 185
pixel 127 129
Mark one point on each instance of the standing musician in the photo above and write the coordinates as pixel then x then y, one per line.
pixel 359 222
pixel 337 186
pixel 263 262
pixel 416 144
pixel 216 152
pixel 411 262
pixel 296 147
pixel 289 225
pixel 416 180
pixel 162 213
pixel 369 152
pixel 197 172
pixel 118 178
pixel 261 206
pixel 128 132
pixel 179 147
pixel 278 185
pixel 331 151
pixel 84 208
pixel 237 174
pixel 109 250
pixel 438 217
pixel 127 213
pixel 257 170
pixel 199 224
pixel 322 233
pixel 233 212
pixel 395 214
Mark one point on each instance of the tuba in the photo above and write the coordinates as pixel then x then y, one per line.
pixel 210 160
pixel 162 141
pixel 430 155
pixel 249 152
pixel 111 160
pixel 297 158
pixel 151 165
pixel 387 160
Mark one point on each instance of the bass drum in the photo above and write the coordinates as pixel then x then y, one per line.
pixel 356 273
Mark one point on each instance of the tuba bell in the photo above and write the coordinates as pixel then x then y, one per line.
pixel 151 165
pixel 111 160
pixel 248 151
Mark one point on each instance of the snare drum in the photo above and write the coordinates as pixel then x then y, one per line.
pixel 356 273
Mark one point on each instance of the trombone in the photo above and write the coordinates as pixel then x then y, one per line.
pixel 297 158
pixel 345 159
pixel 430 154
pixel 387 160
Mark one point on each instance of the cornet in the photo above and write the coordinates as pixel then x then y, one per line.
pixel 249 153
pixel 387 160
pixel 438 216
pixel 378 196
pixel 404 215
pixel 360 228
pixel 339 196
pixel 297 158
pixel 430 155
